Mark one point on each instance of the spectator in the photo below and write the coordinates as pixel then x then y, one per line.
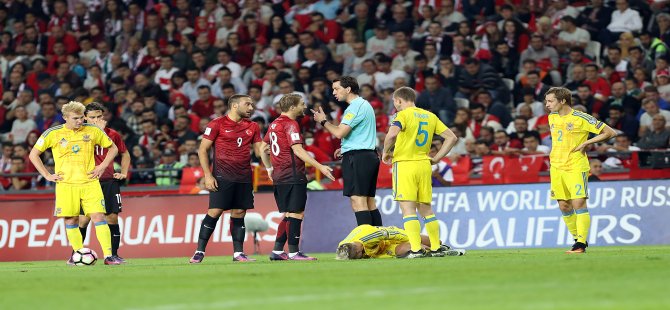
pixel 404 58
pixel 482 119
pixel 203 107
pixel 620 98
pixel 620 121
pixel 505 60
pixel 21 126
pixel 19 182
pixel 545 56
pixel 595 17
pixel 656 138
pixel 622 143
pixel 49 118
pixel 651 109
pixel 532 146
pixel 163 76
pixel 194 81
pixel 437 99
pixel 385 76
pixel 624 19
pixel 518 129
pixel 600 88
pixel 571 36
pixel 182 131
pixel 361 22
pixel 481 76
pixel 494 108
pixel 369 70
pixel 502 145
pixel 596 169
pixel 168 173
pixel 442 175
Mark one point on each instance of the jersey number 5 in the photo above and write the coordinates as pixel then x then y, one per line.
pixel 274 146
pixel 422 132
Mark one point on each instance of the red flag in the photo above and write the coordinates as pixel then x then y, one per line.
pixel 492 169
pixel 524 169
pixel 385 176
pixel 461 169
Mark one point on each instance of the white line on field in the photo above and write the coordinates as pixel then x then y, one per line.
pixel 289 299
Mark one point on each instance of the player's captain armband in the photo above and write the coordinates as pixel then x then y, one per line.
pixel 208 131
pixel 348 116
pixel 295 136
pixel 40 141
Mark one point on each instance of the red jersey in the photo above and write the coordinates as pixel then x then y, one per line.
pixel 281 136
pixel 101 153
pixel 232 146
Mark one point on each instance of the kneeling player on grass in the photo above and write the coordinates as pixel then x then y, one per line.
pixel 110 180
pixel 368 241
pixel 286 168
pixel 569 164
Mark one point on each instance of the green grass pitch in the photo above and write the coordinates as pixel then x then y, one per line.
pixel 604 278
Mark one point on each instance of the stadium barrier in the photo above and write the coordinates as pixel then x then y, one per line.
pixel 473 217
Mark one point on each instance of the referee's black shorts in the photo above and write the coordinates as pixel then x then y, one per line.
pixel 359 173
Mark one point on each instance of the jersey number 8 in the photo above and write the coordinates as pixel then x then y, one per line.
pixel 274 146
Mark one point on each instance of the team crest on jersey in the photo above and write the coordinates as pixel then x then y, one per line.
pixel 570 127
pixel 63 142
pixel 552 193
pixel 552 126
pixel 249 132
pixel 87 138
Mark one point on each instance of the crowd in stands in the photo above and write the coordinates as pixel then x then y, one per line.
pixel 164 69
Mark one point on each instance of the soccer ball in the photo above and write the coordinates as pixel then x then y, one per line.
pixel 84 257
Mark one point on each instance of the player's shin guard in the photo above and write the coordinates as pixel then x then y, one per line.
pixel 104 237
pixel 433 229
pixel 294 227
pixel 116 238
pixel 237 232
pixel 83 230
pixel 583 224
pixel 376 217
pixel 74 236
pixel 280 239
pixel 413 229
pixel 363 217
pixel 570 220
pixel 206 229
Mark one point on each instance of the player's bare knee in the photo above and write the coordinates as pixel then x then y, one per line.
pixel 565 206
pixel 112 218
pixel 238 213
pixel 71 220
pixel 83 221
pixel 97 217
pixel 578 204
pixel 215 213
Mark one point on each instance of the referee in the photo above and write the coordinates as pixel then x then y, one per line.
pixel 360 162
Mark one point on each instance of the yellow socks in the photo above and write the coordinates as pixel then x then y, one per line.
pixel 433 229
pixel 74 236
pixel 104 237
pixel 583 224
pixel 413 229
pixel 570 220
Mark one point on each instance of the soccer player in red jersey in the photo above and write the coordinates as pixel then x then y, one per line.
pixel 286 166
pixel 110 180
pixel 230 184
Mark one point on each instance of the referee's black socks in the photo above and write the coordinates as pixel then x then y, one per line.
pixel 376 217
pixel 206 229
pixel 363 217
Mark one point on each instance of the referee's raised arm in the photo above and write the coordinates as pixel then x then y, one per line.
pixel 360 162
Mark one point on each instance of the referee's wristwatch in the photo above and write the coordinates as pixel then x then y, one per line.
pixel 323 123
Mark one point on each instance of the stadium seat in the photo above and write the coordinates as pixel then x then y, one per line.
pixel 593 49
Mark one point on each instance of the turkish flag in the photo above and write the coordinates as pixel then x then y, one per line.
pixel 523 169
pixel 385 176
pixel 492 169
pixel 461 169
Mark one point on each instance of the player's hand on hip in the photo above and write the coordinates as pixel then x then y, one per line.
pixel 54 178
pixel 96 172
pixel 211 184
pixel 338 154
pixel 119 176
pixel 580 148
pixel 327 171
pixel 387 158
pixel 319 115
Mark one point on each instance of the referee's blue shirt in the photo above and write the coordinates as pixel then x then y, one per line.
pixel 361 118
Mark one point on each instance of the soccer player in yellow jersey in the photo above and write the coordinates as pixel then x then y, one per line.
pixel 406 146
pixel 569 164
pixel 76 175
pixel 367 241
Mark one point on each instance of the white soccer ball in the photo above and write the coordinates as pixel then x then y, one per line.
pixel 84 257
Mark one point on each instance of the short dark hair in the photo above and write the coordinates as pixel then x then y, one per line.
pixel 348 81
pixel 94 106
pixel 475 106
pixel 236 98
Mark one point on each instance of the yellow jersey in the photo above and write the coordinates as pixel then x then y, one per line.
pixel 568 132
pixel 417 127
pixel 378 242
pixel 73 150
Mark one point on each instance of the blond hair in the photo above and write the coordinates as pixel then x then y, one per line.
pixel 288 101
pixel 73 107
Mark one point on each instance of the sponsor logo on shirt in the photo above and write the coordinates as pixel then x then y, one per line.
pixel 87 138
